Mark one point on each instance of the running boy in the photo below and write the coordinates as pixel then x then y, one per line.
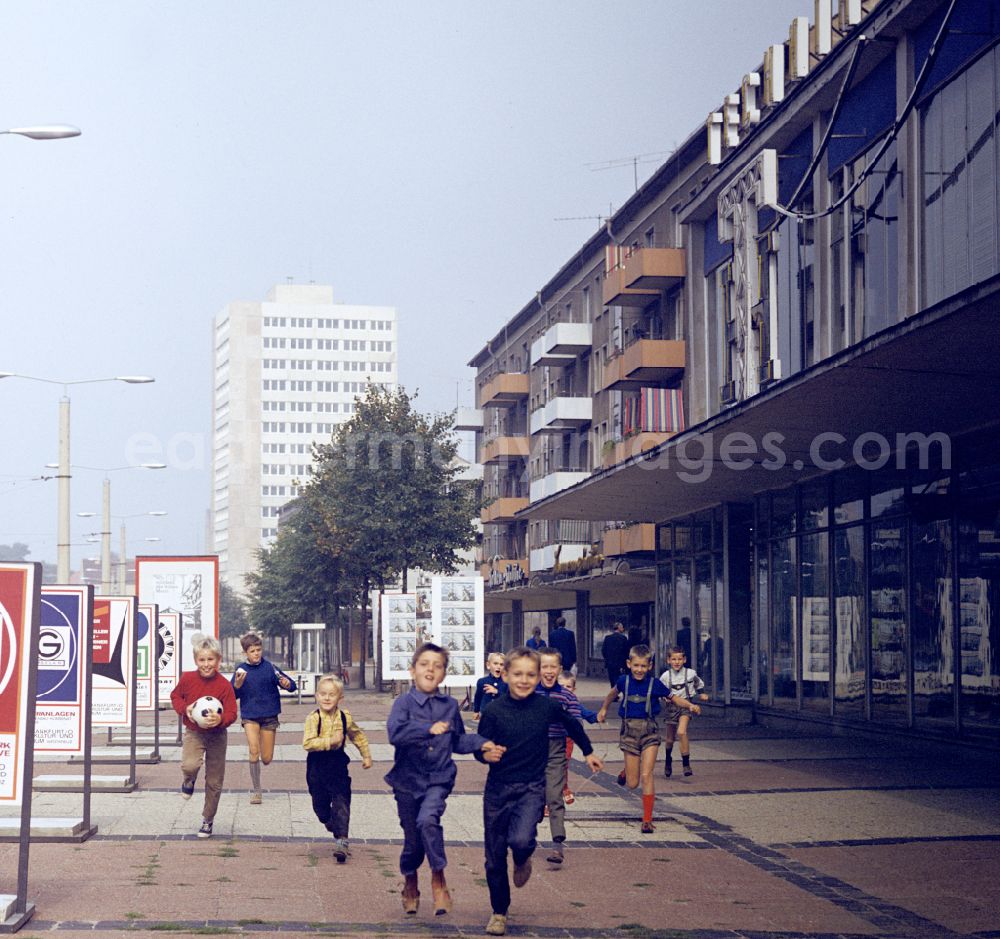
pixel 514 794
pixel 325 736
pixel 640 736
pixel 567 681
pixel 204 744
pixel 256 684
pixel 684 683
pixel 490 685
pixel 556 769
pixel 425 727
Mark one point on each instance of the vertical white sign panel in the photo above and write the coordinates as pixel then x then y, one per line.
pixel 457 616
pixel 113 637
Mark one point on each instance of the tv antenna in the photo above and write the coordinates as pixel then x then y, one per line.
pixel 600 219
pixel 632 161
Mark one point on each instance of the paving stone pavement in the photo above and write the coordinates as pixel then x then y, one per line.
pixel 777 835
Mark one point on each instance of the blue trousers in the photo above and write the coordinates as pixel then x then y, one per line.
pixel 423 836
pixel 511 813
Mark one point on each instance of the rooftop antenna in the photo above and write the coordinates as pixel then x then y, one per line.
pixel 600 219
pixel 635 160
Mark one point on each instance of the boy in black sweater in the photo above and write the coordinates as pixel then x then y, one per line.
pixel 514 796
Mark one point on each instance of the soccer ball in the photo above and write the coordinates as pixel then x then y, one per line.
pixel 203 707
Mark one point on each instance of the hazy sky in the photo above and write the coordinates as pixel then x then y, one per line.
pixel 415 154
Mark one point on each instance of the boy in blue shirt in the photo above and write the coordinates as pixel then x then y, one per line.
pixel 490 685
pixel 255 684
pixel 426 728
pixel 640 736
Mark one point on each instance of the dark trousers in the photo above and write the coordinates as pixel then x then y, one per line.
pixel 330 787
pixel 511 813
pixel 423 836
pixel 614 671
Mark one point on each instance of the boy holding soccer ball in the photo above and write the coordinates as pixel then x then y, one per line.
pixel 205 735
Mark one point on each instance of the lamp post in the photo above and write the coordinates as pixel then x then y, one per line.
pixel 105 532
pixel 63 475
pixel 122 550
pixel 45 131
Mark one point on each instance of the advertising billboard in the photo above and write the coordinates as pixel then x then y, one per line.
pixel 111 661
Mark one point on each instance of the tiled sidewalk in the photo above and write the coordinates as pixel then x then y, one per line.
pixel 776 835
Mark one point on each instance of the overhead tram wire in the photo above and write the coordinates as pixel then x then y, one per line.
pixel 918 85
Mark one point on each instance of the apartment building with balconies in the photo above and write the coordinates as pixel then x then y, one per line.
pixel 794 384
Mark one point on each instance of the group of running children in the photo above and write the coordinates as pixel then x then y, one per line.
pixel 529 719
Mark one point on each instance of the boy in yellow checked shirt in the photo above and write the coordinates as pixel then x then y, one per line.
pixel 325 734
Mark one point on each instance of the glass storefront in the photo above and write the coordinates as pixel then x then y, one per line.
pixel 862 596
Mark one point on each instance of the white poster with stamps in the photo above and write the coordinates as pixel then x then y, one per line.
pixel 457 624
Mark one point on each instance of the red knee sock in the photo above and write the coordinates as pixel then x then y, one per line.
pixel 647 807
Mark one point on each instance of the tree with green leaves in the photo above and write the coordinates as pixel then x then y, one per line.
pixel 232 612
pixel 387 490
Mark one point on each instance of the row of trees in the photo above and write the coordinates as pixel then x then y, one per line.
pixel 384 498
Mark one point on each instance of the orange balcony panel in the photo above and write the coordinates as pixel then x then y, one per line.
pixel 502 449
pixel 640 443
pixel 503 390
pixel 616 294
pixel 654 268
pixel 646 362
pixel 503 510
pixel 631 540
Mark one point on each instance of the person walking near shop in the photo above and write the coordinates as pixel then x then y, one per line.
pixel 564 642
pixel 614 650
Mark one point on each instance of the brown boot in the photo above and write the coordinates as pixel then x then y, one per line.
pixel 411 895
pixel 442 898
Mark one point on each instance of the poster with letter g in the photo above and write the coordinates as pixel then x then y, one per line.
pixel 20 604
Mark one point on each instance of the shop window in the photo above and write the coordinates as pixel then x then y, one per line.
pixel 850 681
pixel 815 636
pixel 784 603
pixel 889 632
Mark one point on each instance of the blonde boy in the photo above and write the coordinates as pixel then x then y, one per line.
pixel 490 685
pixel 325 736
pixel 204 744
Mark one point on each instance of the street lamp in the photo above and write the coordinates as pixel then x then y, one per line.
pixel 45 131
pixel 62 541
pixel 106 518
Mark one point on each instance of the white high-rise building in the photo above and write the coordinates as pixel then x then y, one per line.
pixel 286 372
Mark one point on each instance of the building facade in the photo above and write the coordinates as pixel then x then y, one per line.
pixel 826 252
pixel 286 372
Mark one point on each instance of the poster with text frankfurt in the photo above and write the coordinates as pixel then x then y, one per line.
pixel 111 658
pixel 185 585
pixel 168 631
pixel 145 625
pixel 20 602
pixel 62 695
pixel 457 618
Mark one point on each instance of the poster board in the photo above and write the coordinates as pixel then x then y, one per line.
pixel 20 621
pixel 400 634
pixel 62 695
pixel 188 585
pixel 457 625
pixel 168 631
pixel 146 622
pixel 111 660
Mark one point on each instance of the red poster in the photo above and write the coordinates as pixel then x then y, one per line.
pixel 102 633
pixel 13 596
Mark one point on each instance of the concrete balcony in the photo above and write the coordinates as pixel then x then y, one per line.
pixel 645 362
pixel 562 413
pixel 624 449
pixel 544 559
pixel 503 510
pixel 468 419
pixel 504 449
pixel 540 357
pixel 615 293
pixel 503 390
pixel 568 338
pixel 631 540
pixel 654 268
pixel 555 482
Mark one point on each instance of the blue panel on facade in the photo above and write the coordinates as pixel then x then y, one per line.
pixel 793 161
pixel 974 25
pixel 715 251
pixel 869 108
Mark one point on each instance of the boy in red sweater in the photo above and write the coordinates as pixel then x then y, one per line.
pixel 204 744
